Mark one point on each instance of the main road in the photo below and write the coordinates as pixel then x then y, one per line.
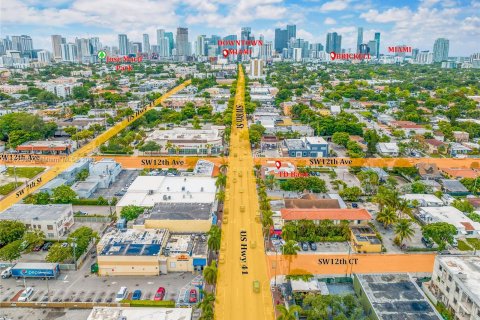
pixel 242 259
pixel 84 151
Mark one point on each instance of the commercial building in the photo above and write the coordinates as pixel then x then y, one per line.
pixel 393 297
pixel 45 147
pixel 333 43
pixel 146 191
pixel 456 283
pixel 306 147
pixel 119 313
pixel 364 240
pixel 440 50
pixel 256 69
pixel 465 226
pixel 55 220
pixel 150 252
pixel 353 216
pixel 189 141
pixel 424 200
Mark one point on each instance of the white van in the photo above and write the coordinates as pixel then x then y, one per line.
pixel 26 294
pixel 121 294
pixel 7 273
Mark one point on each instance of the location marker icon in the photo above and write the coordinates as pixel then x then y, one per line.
pixel 101 54
pixel 332 55
pixel 225 53
pixel 278 164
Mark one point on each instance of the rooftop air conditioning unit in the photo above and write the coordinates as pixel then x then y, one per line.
pixel 201 189
pixel 164 197
pixel 183 188
pixel 150 192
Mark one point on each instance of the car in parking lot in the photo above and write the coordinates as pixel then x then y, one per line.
pixel 427 242
pixel 160 294
pixel 121 294
pixel 354 205
pixel 47 246
pixel 193 296
pixel 313 246
pixel 304 246
pixel 38 247
pixel 26 294
pixel 137 294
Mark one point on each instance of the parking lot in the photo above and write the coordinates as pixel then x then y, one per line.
pixel 124 180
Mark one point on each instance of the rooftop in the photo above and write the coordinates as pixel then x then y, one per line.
pixel 204 168
pixel 467 271
pixel 180 211
pixel 28 212
pixel 116 313
pixel 325 214
pixel 448 214
pixel 396 297
pixel 312 203
pixel 187 244
pixel 453 185
pixel 133 242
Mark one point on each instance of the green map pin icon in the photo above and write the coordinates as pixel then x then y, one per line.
pixel 101 54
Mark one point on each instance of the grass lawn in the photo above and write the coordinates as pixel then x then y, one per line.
pixel 25 172
pixel 474 243
pixel 462 246
pixel 9 187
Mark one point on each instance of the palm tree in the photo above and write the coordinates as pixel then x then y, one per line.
pixel 404 207
pixel 267 221
pixel 270 181
pixel 404 230
pixel 221 181
pixel 223 167
pixel 214 238
pixel 387 216
pixel 210 273
pixel 290 249
pixel 206 305
pixel 289 231
pixel 168 146
pixel 288 313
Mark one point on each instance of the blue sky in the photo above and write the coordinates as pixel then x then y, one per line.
pixel 411 23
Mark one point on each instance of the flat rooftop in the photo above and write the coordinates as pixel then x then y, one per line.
pixel 29 212
pixel 467 270
pixel 396 297
pixel 180 211
pixel 189 244
pixel 116 313
pixel 133 242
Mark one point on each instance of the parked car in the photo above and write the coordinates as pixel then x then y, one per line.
pixel 193 296
pixel 47 246
pixel 313 246
pixel 121 294
pixel 304 246
pixel 427 242
pixel 26 294
pixel 160 294
pixel 38 247
pixel 455 242
pixel 354 205
pixel 6 273
pixel 137 294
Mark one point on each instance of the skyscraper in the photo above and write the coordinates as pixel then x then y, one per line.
pixel 146 43
pixel 291 31
pixel 359 38
pixel 440 50
pixel 123 44
pixel 334 43
pixel 281 39
pixel 372 48
pixel 171 43
pixel 182 42
pixel 201 45
pixel 377 38
pixel 163 44
pixel 57 41
pixel 69 52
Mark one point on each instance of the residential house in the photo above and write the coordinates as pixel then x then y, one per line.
pixel 429 171
pixel 434 145
pixel 454 187
pixel 306 147
pixel 388 149
pixel 460 136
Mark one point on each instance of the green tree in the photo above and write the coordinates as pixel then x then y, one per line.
pixel 267 221
pixel 289 231
pixel 214 238
pixel 221 181
pixel 206 305
pixel 387 216
pixel 418 187
pixel 37 198
pixel 131 212
pixel 270 181
pixel 404 230
pixel 11 251
pixel 351 193
pixel 463 205
pixel 440 232
pixel 150 146
pixel 313 184
pixel 63 194
pixel 11 231
pixel 82 175
pixel 34 237
pixel 59 253
pixel 220 195
pixel 290 250
pixel 80 93
pixel 341 138
pixel 288 313
pixel 210 273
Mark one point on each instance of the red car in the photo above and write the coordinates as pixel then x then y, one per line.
pixel 193 296
pixel 159 294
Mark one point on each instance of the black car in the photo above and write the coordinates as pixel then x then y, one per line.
pixel 304 246
pixel 313 246
pixel 427 242
pixel 47 246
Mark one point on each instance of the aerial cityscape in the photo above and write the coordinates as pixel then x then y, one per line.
pixel 201 160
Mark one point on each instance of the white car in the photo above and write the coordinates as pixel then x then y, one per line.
pixel 26 294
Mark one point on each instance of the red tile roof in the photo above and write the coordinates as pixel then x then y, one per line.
pixel 434 142
pixel 468 226
pixel 325 214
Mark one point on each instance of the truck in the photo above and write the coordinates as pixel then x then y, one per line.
pixel 34 270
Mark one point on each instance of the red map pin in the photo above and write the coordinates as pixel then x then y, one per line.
pixel 332 55
pixel 225 53
pixel 278 164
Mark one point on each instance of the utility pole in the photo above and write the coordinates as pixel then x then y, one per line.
pixel 74 246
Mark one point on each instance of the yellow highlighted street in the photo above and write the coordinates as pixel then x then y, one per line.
pixel 242 260
pixel 82 152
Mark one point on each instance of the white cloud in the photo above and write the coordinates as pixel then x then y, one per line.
pixel 390 15
pixel 329 21
pixel 335 5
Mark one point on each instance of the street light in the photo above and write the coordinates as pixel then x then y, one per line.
pixel 74 246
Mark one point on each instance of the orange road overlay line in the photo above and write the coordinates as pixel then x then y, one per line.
pixel 338 264
pixel 242 260
pixel 176 161
pixel 84 151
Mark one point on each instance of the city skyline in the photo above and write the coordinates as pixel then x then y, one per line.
pixel 414 23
